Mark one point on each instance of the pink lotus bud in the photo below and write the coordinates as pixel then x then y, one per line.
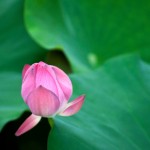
pixel 46 90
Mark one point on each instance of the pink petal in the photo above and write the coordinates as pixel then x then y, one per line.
pixel 60 93
pixel 28 124
pixel 44 78
pixel 73 107
pixel 43 102
pixel 64 82
pixel 26 67
pixel 28 82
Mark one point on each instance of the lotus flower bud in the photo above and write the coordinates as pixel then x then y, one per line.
pixel 46 89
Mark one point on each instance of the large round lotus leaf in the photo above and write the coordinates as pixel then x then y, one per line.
pixel 115 115
pixel 90 31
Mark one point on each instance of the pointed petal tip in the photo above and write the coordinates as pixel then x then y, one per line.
pixel 74 106
pixel 18 133
pixel 42 63
pixel 28 124
pixel 83 96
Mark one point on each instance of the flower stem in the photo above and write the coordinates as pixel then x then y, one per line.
pixel 51 122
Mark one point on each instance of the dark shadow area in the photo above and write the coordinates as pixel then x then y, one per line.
pixel 57 58
pixel 35 139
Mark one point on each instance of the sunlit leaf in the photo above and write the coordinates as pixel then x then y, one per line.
pixel 90 31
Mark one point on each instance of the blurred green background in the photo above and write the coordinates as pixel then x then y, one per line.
pixel 104 46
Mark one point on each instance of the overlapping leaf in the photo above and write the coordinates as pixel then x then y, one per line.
pixel 116 111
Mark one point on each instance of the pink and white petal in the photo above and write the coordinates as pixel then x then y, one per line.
pixel 73 107
pixel 44 78
pixel 64 82
pixel 25 68
pixel 28 83
pixel 43 102
pixel 28 124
